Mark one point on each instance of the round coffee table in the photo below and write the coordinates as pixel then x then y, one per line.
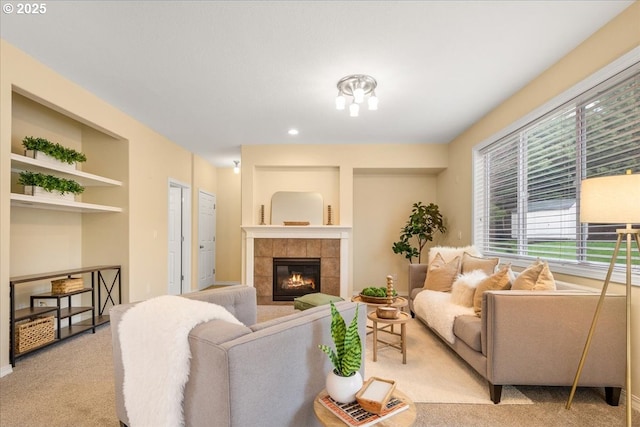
pixel 402 320
pixel 405 418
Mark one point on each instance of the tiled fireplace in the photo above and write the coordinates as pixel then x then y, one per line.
pixel 328 244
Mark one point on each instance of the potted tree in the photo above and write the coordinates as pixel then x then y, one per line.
pixel 43 149
pixel 423 223
pixel 39 184
pixel 344 381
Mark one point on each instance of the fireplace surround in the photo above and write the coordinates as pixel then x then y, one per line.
pixel 329 243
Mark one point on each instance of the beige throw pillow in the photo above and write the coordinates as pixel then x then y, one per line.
pixel 536 277
pixel 496 282
pixel 471 262
pixel 441 274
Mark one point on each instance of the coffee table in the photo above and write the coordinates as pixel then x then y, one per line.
pixel 402 320
pixel 405 418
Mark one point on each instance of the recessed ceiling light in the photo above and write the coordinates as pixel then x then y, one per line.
pixel 293 132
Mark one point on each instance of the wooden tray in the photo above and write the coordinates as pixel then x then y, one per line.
pixel 376 300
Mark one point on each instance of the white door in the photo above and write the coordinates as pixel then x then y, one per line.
pixel 206 239
pixel 175 240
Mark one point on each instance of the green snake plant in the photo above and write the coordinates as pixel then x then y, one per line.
pixel 347 356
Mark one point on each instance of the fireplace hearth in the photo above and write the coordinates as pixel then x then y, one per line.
pixel 294 277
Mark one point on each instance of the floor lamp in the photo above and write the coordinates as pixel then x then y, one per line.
pixel 612 200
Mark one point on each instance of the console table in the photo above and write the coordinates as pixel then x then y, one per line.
pixel 98 284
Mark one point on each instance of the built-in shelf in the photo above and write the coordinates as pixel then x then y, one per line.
pixel 21 163
pixel 26 201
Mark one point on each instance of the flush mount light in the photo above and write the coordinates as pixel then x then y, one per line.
pixel 236 168
pixel 357 86
pixel 293 132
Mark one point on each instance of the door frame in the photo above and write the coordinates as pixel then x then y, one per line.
pixel 186 233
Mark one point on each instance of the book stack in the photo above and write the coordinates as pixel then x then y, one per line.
pixel 355 415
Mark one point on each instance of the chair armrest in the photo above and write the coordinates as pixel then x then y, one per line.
pixel 240 300
pixel 537 338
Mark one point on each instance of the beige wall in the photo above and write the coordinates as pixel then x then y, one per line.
pixel 455 185
pixel 228 232
pixel 128 151
pixel 369 187
pixel 382 203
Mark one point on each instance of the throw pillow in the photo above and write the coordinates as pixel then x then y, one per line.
pixel 471 262
pixel 496 282
pixel 536 277
pixel 464 288
pixel 441 274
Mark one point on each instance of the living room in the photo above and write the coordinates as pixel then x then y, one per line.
pixel 370 187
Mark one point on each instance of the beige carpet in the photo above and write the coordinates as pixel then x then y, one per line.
pixel 433 373
pixel 71 385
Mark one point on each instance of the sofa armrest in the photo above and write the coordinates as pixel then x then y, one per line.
pixel 537 338
pixel 417 276
pixel 240 300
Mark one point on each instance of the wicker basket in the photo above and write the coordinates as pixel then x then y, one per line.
pixel 34 333
pixel 63 286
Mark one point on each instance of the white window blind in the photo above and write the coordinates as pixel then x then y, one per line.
pixel 527 183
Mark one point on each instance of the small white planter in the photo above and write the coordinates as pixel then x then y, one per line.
pixel 45 158
pixel 343 389
pixel 41 192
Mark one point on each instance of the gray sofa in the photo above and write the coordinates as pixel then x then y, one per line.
pixel 537 337
pixel 264 374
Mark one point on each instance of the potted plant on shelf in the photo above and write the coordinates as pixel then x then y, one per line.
pixel 49 184
pixel 422 225
pixel 55 151
pixel 344 381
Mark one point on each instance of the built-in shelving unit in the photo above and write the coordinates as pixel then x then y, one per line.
pixel 21 163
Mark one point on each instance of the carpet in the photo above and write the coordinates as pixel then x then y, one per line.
pixel 433 373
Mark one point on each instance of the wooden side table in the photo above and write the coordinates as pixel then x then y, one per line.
pixel 405 418
pixel 402 320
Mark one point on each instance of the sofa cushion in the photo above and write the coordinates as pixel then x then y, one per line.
pixel 536 277
pixel 472 262
pixel 496 282
pixel 449 253
pixel 467 329
pixel 441 274
pixel 464 287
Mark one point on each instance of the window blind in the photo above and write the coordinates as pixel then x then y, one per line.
pixel 527 183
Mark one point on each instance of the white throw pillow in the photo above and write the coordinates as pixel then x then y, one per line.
pixel 464 288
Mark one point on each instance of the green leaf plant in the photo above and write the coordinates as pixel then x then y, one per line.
pixel 57 151
pixel 347 357
pixel 423 223
pixel 50 183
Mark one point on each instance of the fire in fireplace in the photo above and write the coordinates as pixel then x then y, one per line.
pixel 294 277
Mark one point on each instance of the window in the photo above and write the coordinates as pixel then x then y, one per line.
pixel 527 182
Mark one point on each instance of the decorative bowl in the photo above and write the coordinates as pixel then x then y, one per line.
pixel 387 312
pixel 376 300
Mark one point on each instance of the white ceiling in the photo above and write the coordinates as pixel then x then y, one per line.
pixel 215 75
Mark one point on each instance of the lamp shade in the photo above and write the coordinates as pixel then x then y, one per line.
pixel 611 199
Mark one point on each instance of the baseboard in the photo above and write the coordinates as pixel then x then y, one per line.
pixel 227 283
pixel 5 370
pixel 635 400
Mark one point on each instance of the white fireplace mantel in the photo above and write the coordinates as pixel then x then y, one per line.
pixel 252 232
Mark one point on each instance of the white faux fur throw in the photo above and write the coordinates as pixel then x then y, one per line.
pixel 156 356
pixel 439 312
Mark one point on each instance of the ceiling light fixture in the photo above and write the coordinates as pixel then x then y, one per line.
pixel 236 168
pixel 357 86
pixel 293 132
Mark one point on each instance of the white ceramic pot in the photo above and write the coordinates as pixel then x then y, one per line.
pixel 343 389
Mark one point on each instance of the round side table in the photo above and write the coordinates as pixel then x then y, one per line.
pixel 402 320
pixel 405 418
